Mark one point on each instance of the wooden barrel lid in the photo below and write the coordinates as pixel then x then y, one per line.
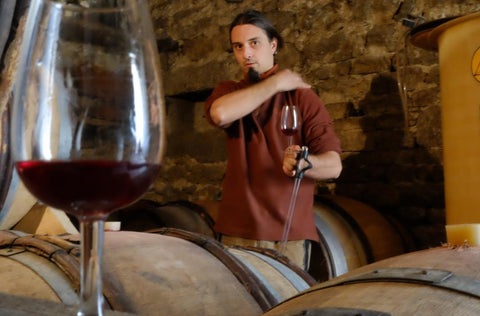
pixel 420 35
pixel 426 35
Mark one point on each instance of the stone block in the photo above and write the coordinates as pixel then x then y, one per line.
pixel 429 132
pixel 370 64
pixel 338 110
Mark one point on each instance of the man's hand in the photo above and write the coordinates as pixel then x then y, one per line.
pixel 286 80
pixel 325 166
pixel 290 160
pixel 235 105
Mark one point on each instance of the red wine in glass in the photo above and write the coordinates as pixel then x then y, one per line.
pixel 87 188
pixel 290 121
pixel 289 131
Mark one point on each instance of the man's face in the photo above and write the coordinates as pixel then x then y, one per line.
pixel 252 48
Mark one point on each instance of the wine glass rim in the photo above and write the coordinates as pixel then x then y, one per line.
pixel 75 7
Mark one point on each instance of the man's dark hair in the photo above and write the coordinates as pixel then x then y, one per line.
pixel 259 20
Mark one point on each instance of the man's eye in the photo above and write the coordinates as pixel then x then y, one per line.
pixel 237 46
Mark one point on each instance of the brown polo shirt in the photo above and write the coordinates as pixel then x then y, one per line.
pixel 256 192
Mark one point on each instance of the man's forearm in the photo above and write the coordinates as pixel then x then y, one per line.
pixel 325 166
pixel 237 104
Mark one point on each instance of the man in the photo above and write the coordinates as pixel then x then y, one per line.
pixel 259 175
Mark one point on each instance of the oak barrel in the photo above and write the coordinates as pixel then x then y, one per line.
pixel 170 272
pixel 349 233
pixel 352 234
pixel 269 276
pixel 32 267
pixel 146 215
pixel 438 281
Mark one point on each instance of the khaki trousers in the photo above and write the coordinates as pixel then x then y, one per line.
pixel 297 251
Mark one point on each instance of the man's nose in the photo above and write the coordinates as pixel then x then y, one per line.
pixel 247 52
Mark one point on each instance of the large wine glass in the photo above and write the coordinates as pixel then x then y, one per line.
pixel 290 121
pixel 88 117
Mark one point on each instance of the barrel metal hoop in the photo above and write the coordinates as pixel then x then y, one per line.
pixel 424 276
pixel 270 255
pixel 258 275
pixel 334 250
pixel 359 232
pixel 60 283
pixel 299 283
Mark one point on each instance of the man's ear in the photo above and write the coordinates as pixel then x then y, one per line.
pixel 274 44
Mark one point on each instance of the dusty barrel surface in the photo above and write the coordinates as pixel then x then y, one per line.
pixel 268 276
pixel 438 281
pixel 170 272
pixel 351 233
pixel 38 267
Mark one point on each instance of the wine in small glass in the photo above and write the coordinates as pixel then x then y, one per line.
pixel 88 117
pixel 290 121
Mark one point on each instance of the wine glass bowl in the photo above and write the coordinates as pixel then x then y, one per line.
pixel 290 121
pixel 87 126
pixel 87 189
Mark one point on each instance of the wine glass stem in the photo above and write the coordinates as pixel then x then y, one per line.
pixel 91 297
pixel 290 140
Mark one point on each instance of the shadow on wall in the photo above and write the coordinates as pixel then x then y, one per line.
pixel 394 173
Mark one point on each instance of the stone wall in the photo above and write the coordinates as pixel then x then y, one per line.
pixel 352 53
